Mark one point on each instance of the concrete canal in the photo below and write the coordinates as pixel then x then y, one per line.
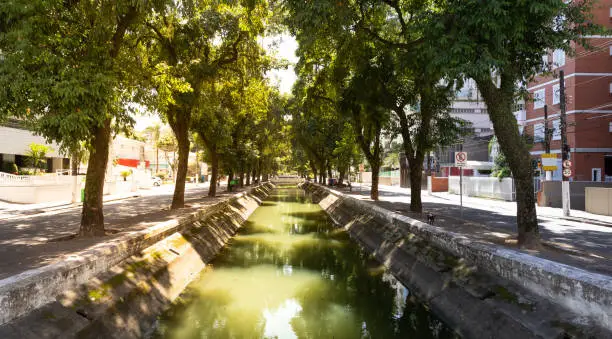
pixel 289 273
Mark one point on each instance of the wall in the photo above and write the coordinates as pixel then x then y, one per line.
pixel 20 140
pixel 551 193
pixel 439 184
pixel 441 267
pixel 135 276
pixel 598 200
pixel 486 187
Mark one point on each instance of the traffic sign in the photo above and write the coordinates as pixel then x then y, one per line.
pixel 549 162
pixel 567 164
pixel 567 172
pixel 460 159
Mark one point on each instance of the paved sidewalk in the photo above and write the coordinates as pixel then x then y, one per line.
pixel 584 240
pixel 29 241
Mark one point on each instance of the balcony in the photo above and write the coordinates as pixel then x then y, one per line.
pixel 520 116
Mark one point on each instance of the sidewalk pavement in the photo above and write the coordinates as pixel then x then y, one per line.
pixel 583 240
pixel 31 241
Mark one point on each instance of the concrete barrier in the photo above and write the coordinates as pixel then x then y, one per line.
pixel 583 293
pixel 598 200
pixel 34 288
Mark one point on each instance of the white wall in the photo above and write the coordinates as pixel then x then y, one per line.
pixel 486 187
pixel 16 141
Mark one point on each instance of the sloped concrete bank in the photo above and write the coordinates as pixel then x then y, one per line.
pixel 481 290
pixel 117 289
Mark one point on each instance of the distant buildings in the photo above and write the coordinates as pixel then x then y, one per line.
pixel 468 106
pixel 14 143
pixel 588 83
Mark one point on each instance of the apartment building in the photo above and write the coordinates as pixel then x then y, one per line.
pixel 468 106
pixel 588 90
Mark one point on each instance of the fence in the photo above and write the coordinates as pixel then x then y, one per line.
pixel 6 178
pixel 486 187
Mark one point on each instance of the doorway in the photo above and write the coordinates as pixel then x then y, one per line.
pixel 596 174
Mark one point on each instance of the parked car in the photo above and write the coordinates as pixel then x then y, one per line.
pixel 156 181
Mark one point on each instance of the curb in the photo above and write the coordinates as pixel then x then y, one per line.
pixel 26 291
pixel 585 293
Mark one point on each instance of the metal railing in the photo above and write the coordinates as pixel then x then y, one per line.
pixel 7 178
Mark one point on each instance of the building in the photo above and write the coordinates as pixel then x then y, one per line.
pixel 468 106
pixel 14 145
pixel 588 88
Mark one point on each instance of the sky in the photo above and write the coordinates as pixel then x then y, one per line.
pixel 282 46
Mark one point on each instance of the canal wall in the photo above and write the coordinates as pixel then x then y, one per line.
pixel 117 289
pixel 479 289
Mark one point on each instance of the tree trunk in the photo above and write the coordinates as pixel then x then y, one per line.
pixel 254 174
pixel 340 177
pixel 92 217
pixel 313 168
pixel 180 126
pixel 416 173
pixel 248 177
pixel 241 179
pixel 375 173
pixel 74 164
pixel 499 104
pixel 230 178
pixel 214 163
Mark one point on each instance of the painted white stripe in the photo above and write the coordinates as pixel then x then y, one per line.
pixel 599 111
pixel 567 77
pixel 598 36
pixel 575 150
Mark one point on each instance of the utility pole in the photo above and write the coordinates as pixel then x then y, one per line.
pixel 565 189
pixel 547 140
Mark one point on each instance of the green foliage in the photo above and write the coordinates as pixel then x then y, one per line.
pixel 161 175
pixel 37 156
pixel 10 167
pixel 63 71
pixel 501 169
pixel 125 174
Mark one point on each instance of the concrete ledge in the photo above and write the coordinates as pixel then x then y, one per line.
pixel 584 293
pixel 34 288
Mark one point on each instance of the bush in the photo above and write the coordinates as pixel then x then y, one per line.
pixel 9 167
pixel 125 174
pixel 161 175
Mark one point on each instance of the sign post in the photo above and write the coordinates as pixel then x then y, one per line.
pixel 461 162
pixel 361 169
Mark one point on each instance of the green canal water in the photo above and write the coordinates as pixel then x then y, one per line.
pixel 289 274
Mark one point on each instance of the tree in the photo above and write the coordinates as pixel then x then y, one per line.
pixel 37 156
pixel 66 73
pixel 193 41
pixel 500 45
pixel 168 144
pixel 154 133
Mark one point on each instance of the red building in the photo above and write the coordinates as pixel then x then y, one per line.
pixel 588 83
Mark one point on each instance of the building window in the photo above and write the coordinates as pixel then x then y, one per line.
pixel 556 125
pixel 556 94
pixel 558 58
pixel 538 132
pixel 539 98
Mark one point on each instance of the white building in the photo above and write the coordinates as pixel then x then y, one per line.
pixel 14 145
pixel 469 106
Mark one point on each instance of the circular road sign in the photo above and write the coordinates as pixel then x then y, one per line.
pixel 567 164
pixel 567 172
pixel 460 156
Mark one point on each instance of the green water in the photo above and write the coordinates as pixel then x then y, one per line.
pixel 290 274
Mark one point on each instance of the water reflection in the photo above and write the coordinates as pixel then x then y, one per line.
pixel 290 274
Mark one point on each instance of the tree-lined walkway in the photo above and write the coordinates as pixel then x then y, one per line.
pixel 31 241
pixel 577 241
